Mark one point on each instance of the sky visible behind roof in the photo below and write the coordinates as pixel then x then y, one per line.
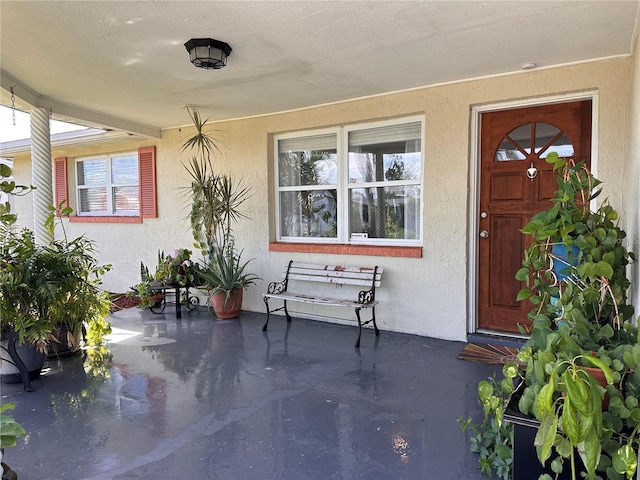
pixel 22 129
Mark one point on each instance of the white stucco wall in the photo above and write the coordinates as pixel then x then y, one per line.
pixel 427 296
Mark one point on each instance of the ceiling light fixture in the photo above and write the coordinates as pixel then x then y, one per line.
pixel 529 66
pixel 208 53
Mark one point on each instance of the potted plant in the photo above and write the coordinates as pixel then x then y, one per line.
pixel 48 293
pixel 225 277
pixel 216 202
pixel 68 275
pixel 580 321
pixel 595 254
pixel 570 424
pixel 15 296
pixel 175 269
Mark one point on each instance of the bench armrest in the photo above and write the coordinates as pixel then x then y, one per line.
pixel 277 287
pixel 367 296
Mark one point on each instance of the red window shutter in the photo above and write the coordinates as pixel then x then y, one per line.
pixel 147 172
pixel 60 181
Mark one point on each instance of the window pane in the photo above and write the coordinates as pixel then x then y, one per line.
pixel 385 153
pixel 522 137
pixel 507 151
pixel 126 199
pixel 92 172
pixel 124 170
pixel 93 200
pixel 308 213
pixel 308 167
pixel 385 212
pixel 561 145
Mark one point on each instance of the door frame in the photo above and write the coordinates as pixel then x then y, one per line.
pixel 474 184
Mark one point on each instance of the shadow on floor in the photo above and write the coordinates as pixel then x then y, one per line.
pixel 203 398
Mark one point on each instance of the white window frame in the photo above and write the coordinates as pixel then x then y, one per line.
pixel 343 187
pixel 109 185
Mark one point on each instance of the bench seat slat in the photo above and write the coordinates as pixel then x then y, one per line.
pixel 334 302
pixel 336 280
pixel 335 268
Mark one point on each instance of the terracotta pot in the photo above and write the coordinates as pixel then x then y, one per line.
pixel 233 306
pixel 598 374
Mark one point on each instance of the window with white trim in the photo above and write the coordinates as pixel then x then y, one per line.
pixel 358 184
pixel 108 185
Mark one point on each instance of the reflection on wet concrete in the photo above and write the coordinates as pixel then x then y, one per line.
pixel 203 398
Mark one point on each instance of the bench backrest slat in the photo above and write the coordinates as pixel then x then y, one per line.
pixel 342 275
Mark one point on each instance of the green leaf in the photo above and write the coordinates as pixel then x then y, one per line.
pixel 625 460
pixel 545 437
pixel 636 351
pixel 570 422
pixel 576 392
pixel 544 400
pixel 589 451
pixel 485 390
pixel 523 294
pixel 522 274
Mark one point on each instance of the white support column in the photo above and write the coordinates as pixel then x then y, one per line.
pixel 41 172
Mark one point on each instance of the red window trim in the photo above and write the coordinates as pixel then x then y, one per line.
pixel 369 250
pixel 104 219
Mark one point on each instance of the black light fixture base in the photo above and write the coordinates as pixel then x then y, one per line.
pixel 208 53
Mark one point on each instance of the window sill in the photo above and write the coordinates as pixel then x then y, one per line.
pixel 369 250
pixel 105 219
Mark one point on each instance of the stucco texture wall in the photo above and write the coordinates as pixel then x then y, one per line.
pixel 426 296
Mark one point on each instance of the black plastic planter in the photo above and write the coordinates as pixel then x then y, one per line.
pixel 526 465
pixel 20 363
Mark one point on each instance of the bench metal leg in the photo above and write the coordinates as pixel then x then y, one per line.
pixel 266 302
pixel 359 328
pixel 286 312
pixel 360 323
pixel 373 318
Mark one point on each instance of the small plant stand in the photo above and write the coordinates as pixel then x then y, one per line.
pixel 191 301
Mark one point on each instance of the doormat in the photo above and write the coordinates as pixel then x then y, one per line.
pixel 490 354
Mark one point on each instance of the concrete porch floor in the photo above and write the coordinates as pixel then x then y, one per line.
pixel 202 398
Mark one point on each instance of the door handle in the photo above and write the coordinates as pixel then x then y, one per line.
pixel 484 234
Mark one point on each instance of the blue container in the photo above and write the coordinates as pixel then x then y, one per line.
pixel 561 265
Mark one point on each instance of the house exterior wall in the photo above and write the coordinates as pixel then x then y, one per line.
pixel 632 176
pixel 426 296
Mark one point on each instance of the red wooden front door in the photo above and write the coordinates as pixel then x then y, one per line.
pixel 513 141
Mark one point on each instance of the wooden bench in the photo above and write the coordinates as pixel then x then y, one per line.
pixel 368 277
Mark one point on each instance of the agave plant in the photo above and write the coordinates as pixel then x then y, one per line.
pixel 225 271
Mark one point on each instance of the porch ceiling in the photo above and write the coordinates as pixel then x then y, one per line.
pixel 123 65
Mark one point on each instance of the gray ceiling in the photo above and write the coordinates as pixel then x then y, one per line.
pixel 122 64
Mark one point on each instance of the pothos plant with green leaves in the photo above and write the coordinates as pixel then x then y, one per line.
pixel 492 439
pixel 596 261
